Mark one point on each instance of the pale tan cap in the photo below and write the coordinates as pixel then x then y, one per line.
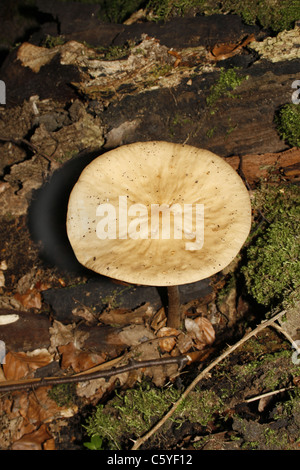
pixel 206 203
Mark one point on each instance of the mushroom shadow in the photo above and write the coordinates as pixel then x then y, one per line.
pixel 47 216
pixel 48 211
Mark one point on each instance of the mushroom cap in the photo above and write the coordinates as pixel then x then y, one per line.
pixel 114 198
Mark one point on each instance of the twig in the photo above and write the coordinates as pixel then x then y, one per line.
pixel 288 337
pixel 106 373
pixel 202 374
pixel 269 394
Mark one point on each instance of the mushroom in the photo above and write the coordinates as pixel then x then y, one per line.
pixel 160 214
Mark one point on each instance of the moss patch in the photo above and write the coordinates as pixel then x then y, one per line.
pixel 228 81
pixel 263 364
pixel 272 270
pixel 288 124
pixel 134 412
pixel 277 15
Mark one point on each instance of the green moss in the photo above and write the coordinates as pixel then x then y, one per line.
pixel 223 293
pixel 228 81
pixel 105 426
pixel 117 11
pixel 277 15
pixel 53 41
pixel 290 408
pixel 62 394
pixel 179 121
pixel 272 270
pixel 276 439
pixel 160 71
pixel 132 413
pixel 162 10
pixel 288 124
pixel 199 407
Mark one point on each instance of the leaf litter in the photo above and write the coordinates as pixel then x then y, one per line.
pixel 32 419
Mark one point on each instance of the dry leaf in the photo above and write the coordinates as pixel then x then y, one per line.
pixel 19 365
pixel 184 343
pixel 61 334
pixel 25 412
pixel 34 440
pixel 85 313
pixel 49 444
pixel 2 376
pixel 42 409
pixel 35 57
pixel 201 331
pixel 169 338
pixel 123 316
pixel 224 51
pixel 77 359
pixel 207 330
pixel 134 335
pixel 31 299
pixel 159 320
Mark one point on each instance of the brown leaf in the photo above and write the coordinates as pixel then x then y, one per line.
pixel 169 338
pixel 19 365
pixel 206 329
pixel 31 299
pixel 41 408
pixel 123 317
pixel 184 343
pixel 201 331
pixel 159 320
pixel 34 440
pixel 77 359
pixel 224 51
pixel 35 57
pixel 85 313
pixel 63 334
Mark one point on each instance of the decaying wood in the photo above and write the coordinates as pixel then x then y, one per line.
pixel 255 167
pixel 28 332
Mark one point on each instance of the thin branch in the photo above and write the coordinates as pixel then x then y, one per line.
pixel 202 374
pixel 288 337
pixel 269 394
pixel 105 373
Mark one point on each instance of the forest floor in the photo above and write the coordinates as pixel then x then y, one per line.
pixel 213 82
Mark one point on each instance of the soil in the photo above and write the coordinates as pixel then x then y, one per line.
pixel 58 118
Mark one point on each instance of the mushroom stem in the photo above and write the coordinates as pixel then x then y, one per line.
pixel 174 314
